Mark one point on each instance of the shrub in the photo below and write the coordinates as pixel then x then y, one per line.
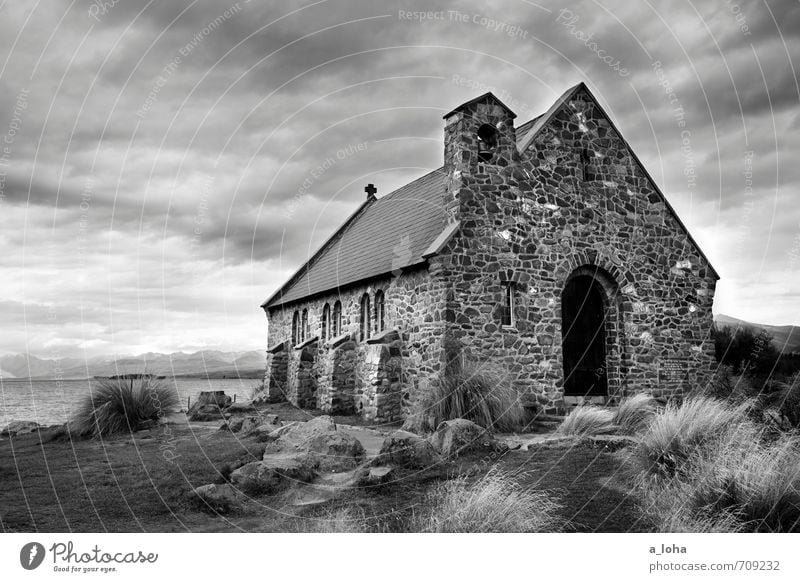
pixel 634 414
pixel 495 503
pixel 121 405
pixel 586 421
pixel 785 397
pixel 480 392
pixel 680 430
pixel 757 483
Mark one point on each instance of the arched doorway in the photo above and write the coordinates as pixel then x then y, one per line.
pixel 583 331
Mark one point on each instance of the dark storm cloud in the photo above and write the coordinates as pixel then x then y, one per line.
pixel 193 139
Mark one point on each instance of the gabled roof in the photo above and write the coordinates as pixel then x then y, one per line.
pixel 484 97
pixel 385 235
pixel 542 120
pixel 402 229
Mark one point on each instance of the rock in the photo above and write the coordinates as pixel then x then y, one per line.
pixel 205 413
pixel 217 498
pixel 274 473
pixel 336 451
pixel 377 476
pixel 407 449
pixel 454 437
pixel 249 424
pixel 296 437
pixel 241 407
pixel 18 427
pixel 209 406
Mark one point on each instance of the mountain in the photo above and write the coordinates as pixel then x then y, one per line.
pixel 785 338
pixel 204 363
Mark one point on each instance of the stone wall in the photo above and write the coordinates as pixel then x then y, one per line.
pixel 574 202
pixel 413 307
pixel 574 199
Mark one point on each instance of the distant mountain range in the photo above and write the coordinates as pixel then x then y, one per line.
pixel 209 363
pixel 252 364
pixel 786 338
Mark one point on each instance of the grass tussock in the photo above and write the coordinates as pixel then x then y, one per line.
pixel 587 421
pixel 495 503
pixel 705 466
pixel 673 436
pixel 122 405
pixel 634 414
pixel 478 391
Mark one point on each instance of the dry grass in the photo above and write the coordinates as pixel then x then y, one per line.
pixel 480 392
pixel 634 414
pixel 673 436
pixel 587 421
pixel 704 466
pixel 122 405
pixel 495 503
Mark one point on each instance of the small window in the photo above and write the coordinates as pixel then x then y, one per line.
pixel 380 312
pixel 295 328
pixel 586 159
pixel 326 322
pixel 365 318
pixel 507 315
pixel 304 326
pixel 336 324
pixel 487 142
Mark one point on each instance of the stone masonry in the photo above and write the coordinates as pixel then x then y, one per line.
pixel 564 200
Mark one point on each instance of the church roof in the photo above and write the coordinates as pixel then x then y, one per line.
pixel 400 230
pixel 391 233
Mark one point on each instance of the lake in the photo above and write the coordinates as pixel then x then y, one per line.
pixel 50 401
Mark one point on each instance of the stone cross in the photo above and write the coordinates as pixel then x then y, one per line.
pixel 370 190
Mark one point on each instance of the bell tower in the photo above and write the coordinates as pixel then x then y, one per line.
pixel 478 135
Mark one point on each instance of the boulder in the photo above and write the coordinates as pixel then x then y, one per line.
pixel 251 423
pixel 18 427
pixel 241 407
pixel 209 406
pixel 296 437
pixel 336 451
pixel 376 476
pixel 274 473
pixel 217 498
pixel 454 437
pixel 407 449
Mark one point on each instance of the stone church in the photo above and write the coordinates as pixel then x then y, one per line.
pixel 545 248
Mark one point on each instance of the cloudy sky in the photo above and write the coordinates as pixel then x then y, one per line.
pixel 165 165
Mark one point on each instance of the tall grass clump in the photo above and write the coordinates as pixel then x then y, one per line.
pixel 495 503
pixel 122 405
pixel 478 391
pixel 587 421
pixel 755 482
pixel 634 414
pixel 673 436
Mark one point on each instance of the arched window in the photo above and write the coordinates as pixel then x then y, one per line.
pixel 336 324
pixel 487 142
pixel 295 329
pixel 304 326
pixel 365 318
pixel 380 314
pixel 326 322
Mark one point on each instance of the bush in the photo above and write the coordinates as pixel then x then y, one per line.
pixel 122 405
pixel 587 421
pixel 673 436
pixel 480 392
pixel 756 483
pixel 495 503
pixel 634 414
